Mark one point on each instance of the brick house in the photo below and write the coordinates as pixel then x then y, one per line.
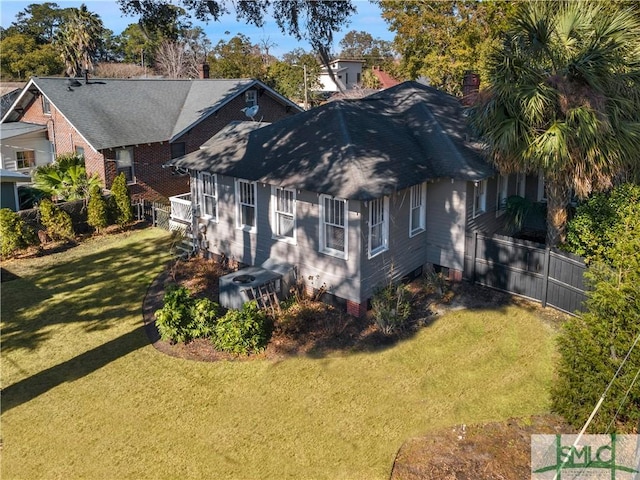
pixel 136 125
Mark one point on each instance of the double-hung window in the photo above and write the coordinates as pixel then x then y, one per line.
pixel 25 159
pixel 501 196
pixel 521 184
pixel 124 163
pixel 418 209
pixel 251 98
pixel 479 198
pixel 208 196
pixel 378 226
pixel 333 226
pixel 46 106
pixel 542 187
pixel 246 205
pixel 283 204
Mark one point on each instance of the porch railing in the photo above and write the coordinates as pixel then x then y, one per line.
pixel 181 208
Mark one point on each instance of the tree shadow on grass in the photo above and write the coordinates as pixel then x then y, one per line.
pixel 84 364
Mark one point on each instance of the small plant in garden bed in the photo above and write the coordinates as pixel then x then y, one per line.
pixel 391 308
pixel 183 318
pixel 243 331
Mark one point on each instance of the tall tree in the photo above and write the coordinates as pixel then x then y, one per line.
pixel 22 57
pixel 564 99
pixel 361 45
pixel 78 40
pixel 288 77
pixel 237 58
pixel 440 40
pixel 41 21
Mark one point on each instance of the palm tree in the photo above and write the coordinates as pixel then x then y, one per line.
pixel 77 40
pixel 564 98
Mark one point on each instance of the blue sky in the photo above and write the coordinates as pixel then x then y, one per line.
pixel 367 19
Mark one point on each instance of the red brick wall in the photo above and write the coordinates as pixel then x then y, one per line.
pixel 152 181
pixel 64 136
pixel 270 111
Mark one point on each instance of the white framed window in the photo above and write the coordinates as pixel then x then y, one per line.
pixel 378 226
pixel 283 213
pixel 46 106
pixel 124 163
pixel 251 98
pixel 333 226
pixel 79 151
pixel 501 194
pixel 542 188
pixel 521 184
pixel 25 159
pixel 418 209
pixel 208 196
pixel 479 198
pixel 246 205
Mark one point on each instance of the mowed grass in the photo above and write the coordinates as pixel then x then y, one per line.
pixel 86 396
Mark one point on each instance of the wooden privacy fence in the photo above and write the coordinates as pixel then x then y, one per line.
pixel 157 214
pixel 528 269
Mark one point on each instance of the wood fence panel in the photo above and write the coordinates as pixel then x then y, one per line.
pixel 527 269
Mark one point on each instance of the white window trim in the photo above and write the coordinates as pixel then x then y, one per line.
pixel 542 194
pixel 413 231
pixel 202 195
pixel 133 170
pixel 45 101
pixel 480 191
pixel 323 248
pixel 385 226
pixel 502 191
pixel 274 215
pixel 251 98
pixel 239 225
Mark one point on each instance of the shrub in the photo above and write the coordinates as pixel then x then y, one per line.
pixel 97 209
pixel 183 318
pixel 391 308
pixel 57 222
pixel 594 345
pixel 589 233
pixel 122 200
pixel 14 233
pixel 243 331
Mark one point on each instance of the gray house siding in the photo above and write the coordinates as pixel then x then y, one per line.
pixel 405 253
pixel 446 207
pixel 337 276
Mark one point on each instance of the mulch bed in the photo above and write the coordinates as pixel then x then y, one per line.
pixel 313 328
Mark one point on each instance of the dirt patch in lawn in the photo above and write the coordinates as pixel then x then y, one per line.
pixel 494 451
pixel 314 328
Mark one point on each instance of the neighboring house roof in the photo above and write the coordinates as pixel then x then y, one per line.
pixel 386 80
pixel 9 176
pixel 232 132
pixel 111 113
pixel 9 91
pixel 356 149
pixel 14 129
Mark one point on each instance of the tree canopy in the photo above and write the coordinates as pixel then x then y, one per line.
pixel 313 20
pixel 440 40
pixel 564 99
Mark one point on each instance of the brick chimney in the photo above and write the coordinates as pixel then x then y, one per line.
pixel 203 70
pixel 470 87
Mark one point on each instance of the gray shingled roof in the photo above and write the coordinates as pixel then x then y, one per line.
pixel 356 149
pixel 118 112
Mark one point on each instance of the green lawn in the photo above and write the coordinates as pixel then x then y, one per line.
pixel 86 396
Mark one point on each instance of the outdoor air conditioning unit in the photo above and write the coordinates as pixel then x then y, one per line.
pixel 239 287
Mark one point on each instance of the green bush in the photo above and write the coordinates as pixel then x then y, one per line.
pixel 57 222
pixel 183 318
pixel 594 345
pixel 391 308
pixel 97 209
pixel 121 201
pixel 243 331
pixel 14 233
pixel 589 233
